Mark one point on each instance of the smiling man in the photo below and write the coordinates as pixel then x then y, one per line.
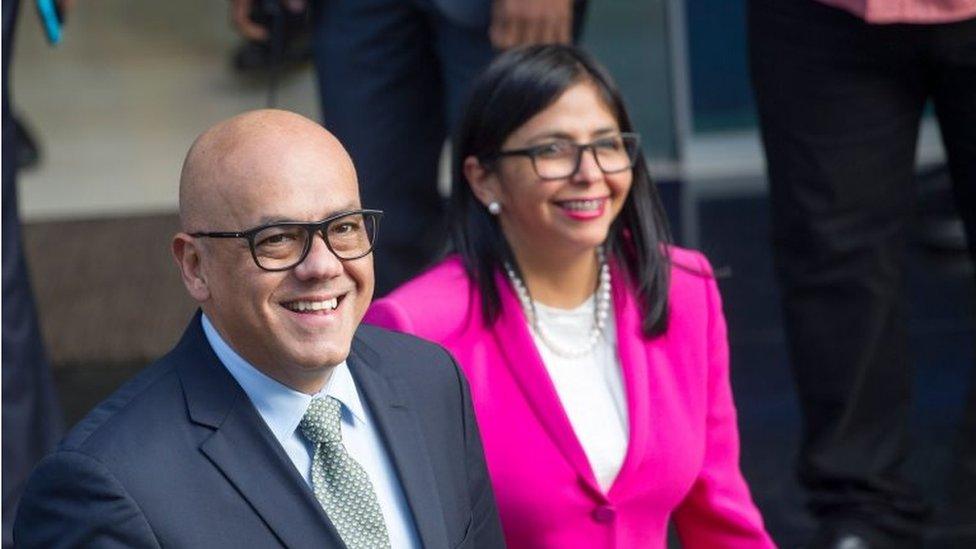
pixel 277 420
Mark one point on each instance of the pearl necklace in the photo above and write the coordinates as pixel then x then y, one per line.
pixel 601 311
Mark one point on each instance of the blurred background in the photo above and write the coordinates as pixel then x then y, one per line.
pixel 114 107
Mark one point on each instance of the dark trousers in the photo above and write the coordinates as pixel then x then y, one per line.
pixel 839 106
pixel 31 418
pixel 393 75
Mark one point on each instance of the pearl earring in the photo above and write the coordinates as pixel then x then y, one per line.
pixel 494 208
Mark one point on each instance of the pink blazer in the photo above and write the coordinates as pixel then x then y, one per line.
pixel 682 459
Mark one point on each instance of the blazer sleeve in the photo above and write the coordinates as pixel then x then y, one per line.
pixel 73 500
pixel 719 511
pixel 485 530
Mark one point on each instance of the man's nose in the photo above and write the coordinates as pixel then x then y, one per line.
pixel 320 261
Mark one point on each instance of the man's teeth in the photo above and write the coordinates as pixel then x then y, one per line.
pixel 302 306
pixel 582 205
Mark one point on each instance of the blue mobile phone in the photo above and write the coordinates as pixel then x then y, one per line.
pixel 50 14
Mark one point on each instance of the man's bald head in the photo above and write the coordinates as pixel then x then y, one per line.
pixel 268 170
pixel 247 149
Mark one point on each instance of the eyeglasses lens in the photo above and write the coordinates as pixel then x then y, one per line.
pixel 279 247
pixel 613 154
pixel 352 236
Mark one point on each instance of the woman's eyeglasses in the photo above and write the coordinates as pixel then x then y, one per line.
pixel 562 158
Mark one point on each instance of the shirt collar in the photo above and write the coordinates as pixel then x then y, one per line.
pixel 282 407
pixel 342 387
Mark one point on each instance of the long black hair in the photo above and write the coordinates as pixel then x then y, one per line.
pixel 519 84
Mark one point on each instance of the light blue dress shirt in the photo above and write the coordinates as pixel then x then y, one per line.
pixel 282 409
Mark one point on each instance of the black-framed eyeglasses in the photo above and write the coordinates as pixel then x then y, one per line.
pixel 283 245
pixel 560 159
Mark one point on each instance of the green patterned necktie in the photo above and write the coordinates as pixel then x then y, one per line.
pixel 339 482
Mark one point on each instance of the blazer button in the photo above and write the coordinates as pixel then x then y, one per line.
pixel 604 514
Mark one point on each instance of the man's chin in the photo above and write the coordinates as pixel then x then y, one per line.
pixel 322 358
pixel 309 372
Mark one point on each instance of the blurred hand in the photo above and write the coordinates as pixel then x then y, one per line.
pixel 65 6
pixel 240 15
pixel 520 22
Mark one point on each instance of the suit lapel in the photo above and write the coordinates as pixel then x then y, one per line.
pixel 512 336
pixel 259 469
pixel 244 450
pixel 400 429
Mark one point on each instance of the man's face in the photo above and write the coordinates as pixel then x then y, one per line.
pixel 282 322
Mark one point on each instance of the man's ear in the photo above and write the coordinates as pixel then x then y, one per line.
pixel 187 253
pixel 484 183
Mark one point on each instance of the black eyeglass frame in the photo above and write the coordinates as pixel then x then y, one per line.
pixel 313 228
pixel 534 151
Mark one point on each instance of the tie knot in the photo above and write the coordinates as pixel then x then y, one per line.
pixel 320 424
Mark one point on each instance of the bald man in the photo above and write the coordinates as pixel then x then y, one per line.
pixel 277 420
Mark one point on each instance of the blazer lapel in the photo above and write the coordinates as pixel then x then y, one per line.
pixel 523 360
pixel 632 349
pixel 399 427
pixel 245 451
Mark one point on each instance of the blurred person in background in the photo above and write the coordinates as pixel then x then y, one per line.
pixel 841 86
pixel 291 47
pixel 392 77
pixel 596 351
pixel 31 415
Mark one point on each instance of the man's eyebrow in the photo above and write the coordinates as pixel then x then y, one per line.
pixel 270 219
pixel 347 207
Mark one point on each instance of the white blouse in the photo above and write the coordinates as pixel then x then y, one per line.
pixel 589 387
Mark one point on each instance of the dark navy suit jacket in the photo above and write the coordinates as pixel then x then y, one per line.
pixel 179 457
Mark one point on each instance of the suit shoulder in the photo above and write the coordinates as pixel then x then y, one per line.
pixel 693 293
pixel 72 495
pixel 411 356
pixel 689 262
pixel 433 305
pixel 425 371
pixel 154 388
pixel 690 270
pixel 398 345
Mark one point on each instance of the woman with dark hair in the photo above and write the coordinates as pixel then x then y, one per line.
pixel 595 350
